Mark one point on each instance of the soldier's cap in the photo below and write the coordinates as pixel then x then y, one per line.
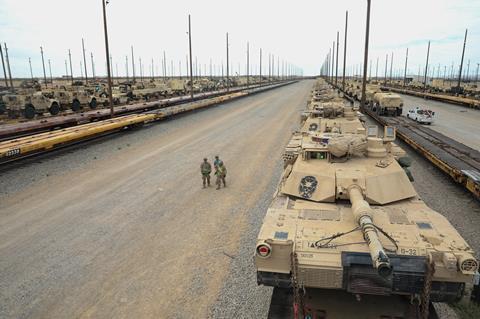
pixel 205 159
pixel 216 156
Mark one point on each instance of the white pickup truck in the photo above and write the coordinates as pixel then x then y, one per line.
pixel 422 116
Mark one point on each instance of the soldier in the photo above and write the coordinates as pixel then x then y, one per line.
pixel 221 173
pixel 205 169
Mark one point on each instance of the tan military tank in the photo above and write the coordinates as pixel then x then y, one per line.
pixel 347 219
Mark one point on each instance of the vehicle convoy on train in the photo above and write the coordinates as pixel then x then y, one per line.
pixel 346 218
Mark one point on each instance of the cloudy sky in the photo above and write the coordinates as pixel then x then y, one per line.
pixel 298 32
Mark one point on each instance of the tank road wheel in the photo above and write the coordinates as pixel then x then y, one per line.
pixel 29 111
pixel 54 108
pixel 93 104
pixel 76 105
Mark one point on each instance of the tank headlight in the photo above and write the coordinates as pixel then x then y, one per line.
pixel 264 250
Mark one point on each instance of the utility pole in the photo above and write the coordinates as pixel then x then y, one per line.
pixel 66 69
pixel 391 67
pixel 426 68
pixel 405 71
pixel 376 71
pixel 476 76
pixel 133 67
pixel 31 72
pixel 126 66
pixel 93 66
pixel 345 51
pixel 3 65
pixel 370 70
pixel 165 63
pixel 190 50
pixel 71 68
pixel 141 71
pixel 365 58
pixel 8 65
pixel 386 65
pixel 260 65
pixel 43 64
pixel 336 63
pixel 84 61
pixel 153 70
pixel 461 61
pixel 333 62
pixel 228 68
pixel 269 64
pixel 107 55
pixel 278 68
pixel 248 64
pixel 50 71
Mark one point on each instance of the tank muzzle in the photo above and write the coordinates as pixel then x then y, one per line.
pixel 384 269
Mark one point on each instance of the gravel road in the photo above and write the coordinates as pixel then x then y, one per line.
pixel 121 228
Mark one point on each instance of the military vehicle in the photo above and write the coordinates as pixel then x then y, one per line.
pixel 81 98
pixel 387 103
pixel 177 86
pixel 29 105
pixel 346 221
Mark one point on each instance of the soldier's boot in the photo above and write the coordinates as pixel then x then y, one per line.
pixel 224 184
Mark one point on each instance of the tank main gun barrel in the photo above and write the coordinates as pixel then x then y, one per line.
pixel 362 213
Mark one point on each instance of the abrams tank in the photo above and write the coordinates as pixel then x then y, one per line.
pixel 347 219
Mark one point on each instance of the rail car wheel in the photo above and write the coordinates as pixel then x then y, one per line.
pixel 29 111
pixel 93 104
pixel 76 105
pixel 54 108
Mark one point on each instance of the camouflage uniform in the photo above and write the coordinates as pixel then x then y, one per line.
pixel 221 173
pixel 205 169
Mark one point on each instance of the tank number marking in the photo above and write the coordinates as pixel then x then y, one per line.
pixel 408 251
pixel 306 255
pixel 13 152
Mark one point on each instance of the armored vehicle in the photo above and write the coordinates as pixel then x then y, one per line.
pixel 346 217
pixel 29 105
pixel 386 103
pixel 177 86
